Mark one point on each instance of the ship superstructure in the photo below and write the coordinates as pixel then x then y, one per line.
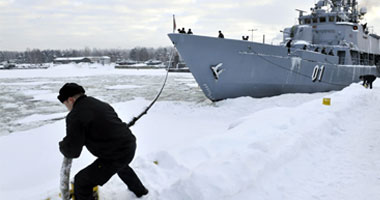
pixel 337 30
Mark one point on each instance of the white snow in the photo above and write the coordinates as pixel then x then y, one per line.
pixel 288 147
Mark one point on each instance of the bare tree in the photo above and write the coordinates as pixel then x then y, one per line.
pixel 46 56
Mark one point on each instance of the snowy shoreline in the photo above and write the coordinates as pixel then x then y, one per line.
pixel 285 147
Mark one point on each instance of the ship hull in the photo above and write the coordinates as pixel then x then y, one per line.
pixel 226 68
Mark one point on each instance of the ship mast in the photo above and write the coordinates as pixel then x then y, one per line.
pixel 354 11
pixel 337 5
pixel 347 9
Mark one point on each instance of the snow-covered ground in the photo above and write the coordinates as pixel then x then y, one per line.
pixel 285 147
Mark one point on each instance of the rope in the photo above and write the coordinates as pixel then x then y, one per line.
pixel 134 120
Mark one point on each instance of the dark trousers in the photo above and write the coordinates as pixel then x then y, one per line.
pixel 100 171
pixel 368 83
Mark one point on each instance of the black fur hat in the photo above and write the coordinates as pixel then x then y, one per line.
pixel 69 90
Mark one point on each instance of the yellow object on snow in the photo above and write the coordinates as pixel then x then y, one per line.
pixel 326 101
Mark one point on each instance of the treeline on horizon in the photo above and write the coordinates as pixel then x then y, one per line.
pixel 36 56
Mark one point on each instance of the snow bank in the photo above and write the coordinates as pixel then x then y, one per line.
pixel 289 153
pixel 285 147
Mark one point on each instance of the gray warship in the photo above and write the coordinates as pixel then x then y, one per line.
pixel 327 50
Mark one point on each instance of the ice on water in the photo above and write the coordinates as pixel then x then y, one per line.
pixel 35 94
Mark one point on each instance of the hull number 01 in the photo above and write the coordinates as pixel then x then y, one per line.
pixel 317 73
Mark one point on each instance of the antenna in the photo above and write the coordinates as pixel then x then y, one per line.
pixel 252 32
pixel 301 12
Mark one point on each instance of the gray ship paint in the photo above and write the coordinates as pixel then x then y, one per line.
pixel 328 50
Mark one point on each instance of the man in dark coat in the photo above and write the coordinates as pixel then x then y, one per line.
pixel 95 124
pixel 367 80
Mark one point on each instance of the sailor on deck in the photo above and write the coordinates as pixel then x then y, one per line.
pixel 220 35
pixel 288 45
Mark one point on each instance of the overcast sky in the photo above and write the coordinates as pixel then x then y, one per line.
pixel 76 24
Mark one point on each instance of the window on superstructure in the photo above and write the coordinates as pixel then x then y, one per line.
pixel 377 60
pixel 338 19
pixel 364 59
pixel 315 20
pixel 307 21
pixel 355 57
pixel 371 59
pixel 342 57
pixel 301 21
pixel 361 59
pixel 322 19
pixel 332 19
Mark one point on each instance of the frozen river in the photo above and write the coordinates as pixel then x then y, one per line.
pixel 29 101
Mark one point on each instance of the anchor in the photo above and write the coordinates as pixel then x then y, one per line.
pixel 217 70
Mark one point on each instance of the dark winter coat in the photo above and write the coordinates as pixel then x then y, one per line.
pixel 95 124
pixel 368 78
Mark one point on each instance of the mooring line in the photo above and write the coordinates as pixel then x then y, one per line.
pixel 134 120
